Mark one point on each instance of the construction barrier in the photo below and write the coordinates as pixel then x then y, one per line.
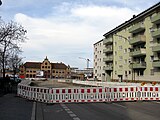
pixel 88 94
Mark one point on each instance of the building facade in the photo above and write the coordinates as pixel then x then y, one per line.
pixel 98 72
pixel 132 49
pixel 50 70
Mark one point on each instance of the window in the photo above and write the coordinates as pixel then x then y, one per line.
pixel 125 61
pixel 120 66
pixel 53 71
pixel 151 58
pixel 42 66
pixel 120 57
pixel 125 50
pixel 48 66
pixel 46 63
pixel 115 52
pixel 115 62
pixel 152 71
pixel 120 47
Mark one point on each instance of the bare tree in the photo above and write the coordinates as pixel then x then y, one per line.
pixel 14 62
pixel 12 35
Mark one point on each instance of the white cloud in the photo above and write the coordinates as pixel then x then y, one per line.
pixel 65 38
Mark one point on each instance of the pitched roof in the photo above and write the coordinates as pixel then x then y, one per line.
pixel 32 65
pixel 58 66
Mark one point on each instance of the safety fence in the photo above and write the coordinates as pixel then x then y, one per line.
pixel 88 94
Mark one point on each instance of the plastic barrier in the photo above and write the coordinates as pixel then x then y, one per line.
pixel 88 94
pixel 68 95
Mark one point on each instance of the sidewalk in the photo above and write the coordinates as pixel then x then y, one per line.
pixel 15 108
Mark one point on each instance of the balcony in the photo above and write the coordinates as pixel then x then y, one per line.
pixel 156 63
pixel 141 65
pixel 156 19
pixel 138 39
pixel 108 50
pixel 108 59
pixel 107 41
pixel 156 33
pixel 108 68
pixel 139 52
pixel 137 28
pixel 156 48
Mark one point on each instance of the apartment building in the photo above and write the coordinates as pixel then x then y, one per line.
pixel 50 70
pixel 132 49
pixel 98 72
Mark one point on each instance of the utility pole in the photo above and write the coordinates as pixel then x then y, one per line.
pixel 88 60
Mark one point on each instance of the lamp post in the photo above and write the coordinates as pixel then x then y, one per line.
pixel 0 2
pixel 131 62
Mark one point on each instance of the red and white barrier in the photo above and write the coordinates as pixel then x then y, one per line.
pixel 88 94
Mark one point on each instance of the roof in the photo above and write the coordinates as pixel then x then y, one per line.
pixel 133 19
pixel 58 66
pixel 32 65
pixel 98 42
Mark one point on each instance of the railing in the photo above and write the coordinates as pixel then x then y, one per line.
pixel 88 94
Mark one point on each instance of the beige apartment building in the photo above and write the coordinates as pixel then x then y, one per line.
pixel 131 51
pixel 98 71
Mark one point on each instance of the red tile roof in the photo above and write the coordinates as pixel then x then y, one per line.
pixel 58 66
pixel 32 65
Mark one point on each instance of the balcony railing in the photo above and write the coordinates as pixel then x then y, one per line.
pixel 138 39
pixel 156 63
pixel 137 28
pixel 156 48
pixel 108 59
pixel 107 41
pixel 108 67
pixel 108 50
pixel 139 52
pixel 156 19
pixel 156 33
pixel 141 65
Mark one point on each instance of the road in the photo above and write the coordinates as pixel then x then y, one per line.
pixel 99 111
pixel 16 108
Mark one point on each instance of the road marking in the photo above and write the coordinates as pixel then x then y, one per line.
pixel 119 105
pixel 76 118
pixel 71 114
pixel 33 117
pixel 67 109
pixel 156 102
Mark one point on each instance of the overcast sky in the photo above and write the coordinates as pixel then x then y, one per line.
pixel 64 30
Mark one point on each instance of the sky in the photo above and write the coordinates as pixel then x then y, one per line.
pixel 64 30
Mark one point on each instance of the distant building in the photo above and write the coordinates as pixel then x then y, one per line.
pixel 44 69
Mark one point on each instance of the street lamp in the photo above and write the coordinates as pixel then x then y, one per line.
pixel 0 2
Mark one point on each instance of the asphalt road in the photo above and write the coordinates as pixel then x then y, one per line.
pixel 99 111
pixel 15 108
